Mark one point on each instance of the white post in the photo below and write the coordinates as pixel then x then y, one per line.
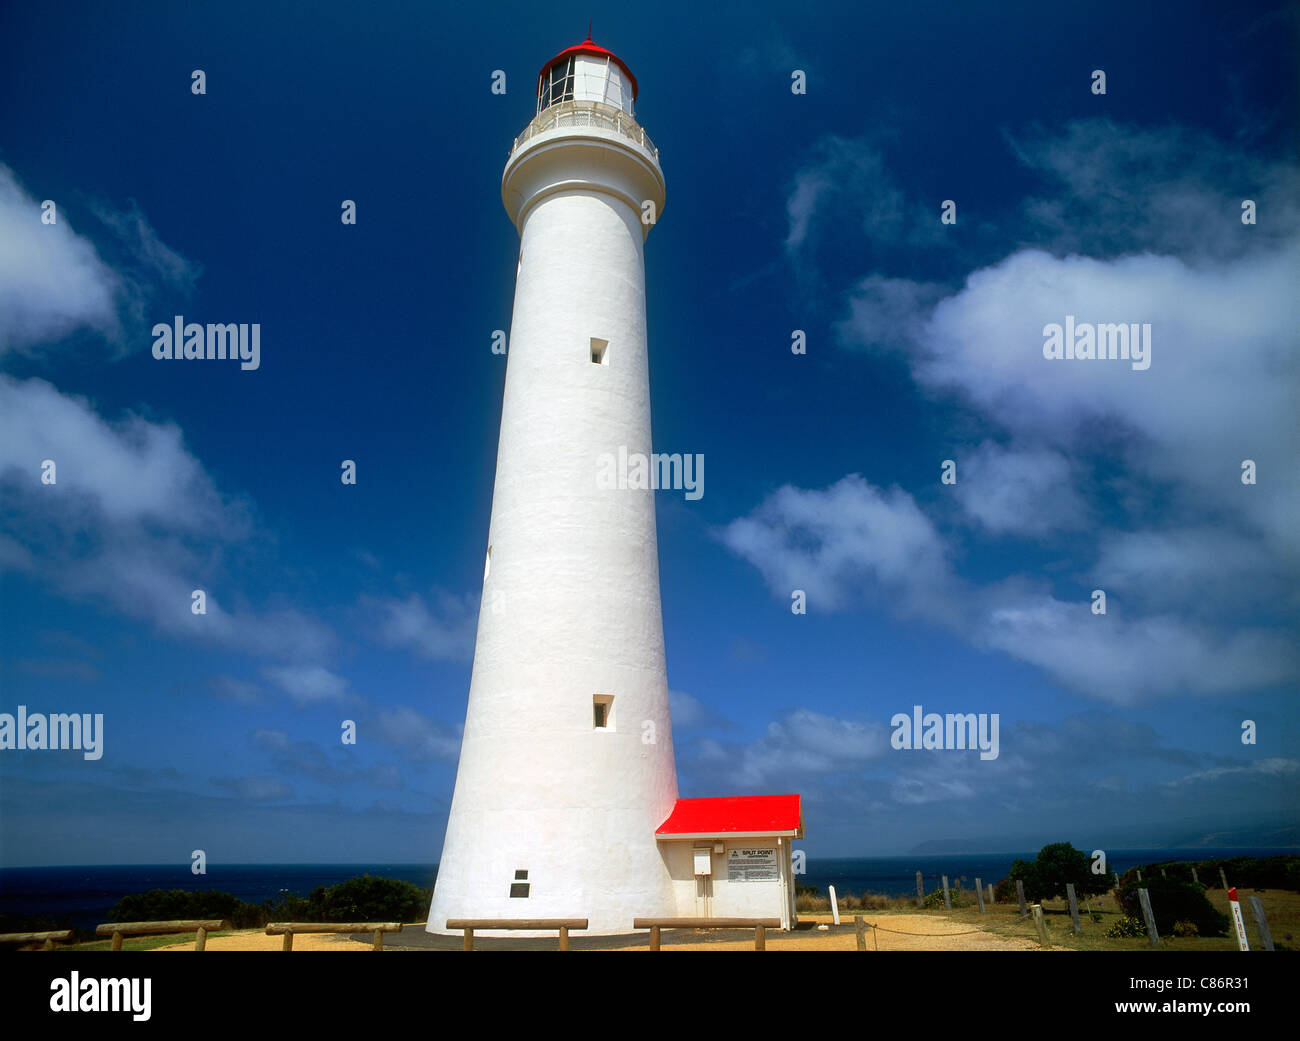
pixel 1237 920
pixel 835 907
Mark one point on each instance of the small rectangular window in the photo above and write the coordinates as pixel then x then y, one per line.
pixel 599 351
pixel 602 708
pixel 518 889
pixel 521 875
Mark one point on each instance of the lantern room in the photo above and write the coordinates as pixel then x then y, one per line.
pixel 586 72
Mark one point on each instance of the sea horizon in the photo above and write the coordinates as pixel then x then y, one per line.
pixel 80 896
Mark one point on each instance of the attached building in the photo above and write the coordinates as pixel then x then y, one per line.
pixel 732 857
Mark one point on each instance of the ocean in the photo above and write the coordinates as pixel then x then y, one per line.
pixel 80 897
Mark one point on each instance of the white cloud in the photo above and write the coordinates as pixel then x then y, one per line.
pixel 134 470
pixel 838 544
pixel 443 632
pixel 1123 658
pixel 415 735
pixel 1269 769
pixel 687 712
pixel 1026 491
pixel 256 789
pixel 852 541
pixel 803 743
pixel 133 520
pixel 51 279
pixel 273 739
pixel 307 684
pixel 54 281
pixel 1132 477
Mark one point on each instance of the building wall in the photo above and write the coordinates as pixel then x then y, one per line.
pixel 724 897
pixel 570 605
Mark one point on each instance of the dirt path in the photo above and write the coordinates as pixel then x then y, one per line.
pixel 895 932
pixel 257 940
pixel 906 932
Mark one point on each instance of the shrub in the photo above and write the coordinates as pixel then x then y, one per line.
pixel 1127 928
pixel 166 905
pixel 1173 902
pixel 1047 876
pixel 363 899
pixel 1185 929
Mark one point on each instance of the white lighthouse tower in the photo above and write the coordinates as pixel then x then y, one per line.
pixel 566 764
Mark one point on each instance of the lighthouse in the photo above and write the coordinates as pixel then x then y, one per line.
pixel 566 765
pixel 566 802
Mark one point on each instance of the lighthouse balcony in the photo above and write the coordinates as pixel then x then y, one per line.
pixel 590 114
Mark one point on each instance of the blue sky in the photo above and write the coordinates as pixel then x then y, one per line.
pixel 816 211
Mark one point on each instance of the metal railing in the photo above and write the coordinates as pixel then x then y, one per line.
pixel 586 114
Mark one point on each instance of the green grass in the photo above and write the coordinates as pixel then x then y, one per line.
pixel 1281 907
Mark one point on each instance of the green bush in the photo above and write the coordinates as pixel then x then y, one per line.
pixel 1127 928
pixel 1173 902
pixel 1046 877
pixel 363 899
pixel 167 905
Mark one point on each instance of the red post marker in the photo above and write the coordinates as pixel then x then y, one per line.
pixel 1237 920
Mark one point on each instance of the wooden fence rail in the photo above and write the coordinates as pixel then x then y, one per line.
pixel 201 928
pixel 287 929
pixel 46 940
pixel 563 925
pixel 759 925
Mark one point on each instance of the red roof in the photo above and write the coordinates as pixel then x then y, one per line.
pixel 737 814
pixel 587 47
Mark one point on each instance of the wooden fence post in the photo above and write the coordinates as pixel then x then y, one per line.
pixel 990 889
pixel 760 938
pixel 1150 918
pixel 287 943
pixel 564 937
pixel 920 891
pixel 201 939
pixel 117 942
pixel 979 894
pixel 654 937
pixel 379 940
pixel 1257 909
pixel 1139 871
pixel 947 902
pixel 1195 877
pixel 861 931
pixel 1223 878
pixel 1039 924
pixel 1020 895
pixel 1074 907
pixel 468 943
pixel 1116 874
